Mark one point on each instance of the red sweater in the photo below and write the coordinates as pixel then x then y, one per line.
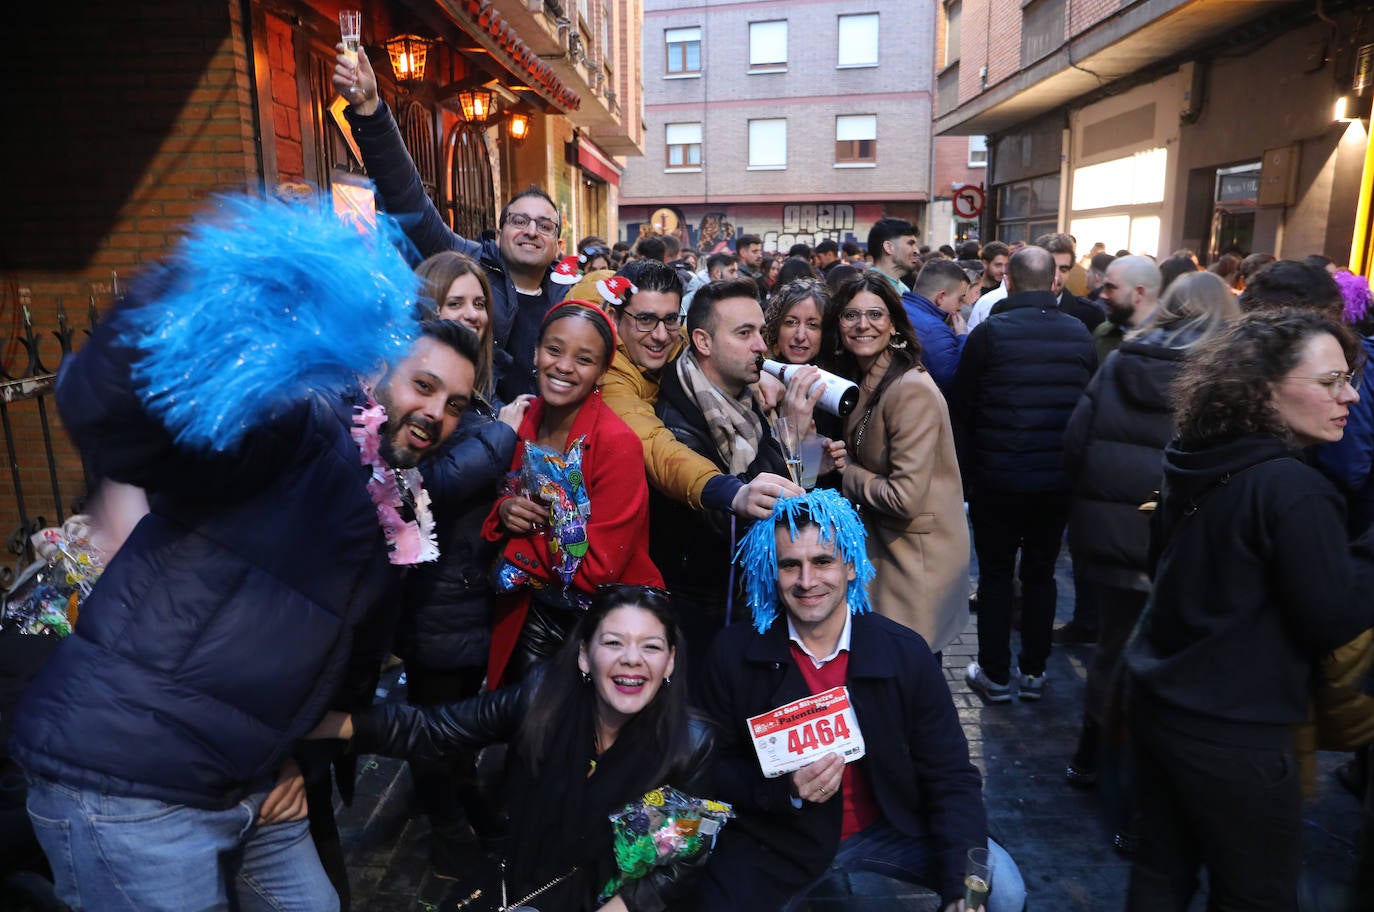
pixel 617 529
pixel 861 810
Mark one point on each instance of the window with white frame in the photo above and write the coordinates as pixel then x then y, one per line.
pixel 856 139
pixel 768 45
pixel 977 151
pixel 684 50
pixel 683 145
pixel 858 40
pixel 768 144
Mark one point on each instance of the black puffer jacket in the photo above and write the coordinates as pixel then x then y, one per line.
pixel 493 718
pixel 1018 382
pixel 445 618
pixel 693 548
pixel 1114 451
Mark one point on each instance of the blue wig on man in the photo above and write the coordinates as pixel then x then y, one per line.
pixel 839 525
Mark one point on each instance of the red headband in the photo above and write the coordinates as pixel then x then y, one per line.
pixel 595 308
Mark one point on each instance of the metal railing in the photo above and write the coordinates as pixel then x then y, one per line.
pixel 21 392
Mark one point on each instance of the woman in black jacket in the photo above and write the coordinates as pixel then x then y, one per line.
pixel 593 730
pixel 1253 584
pixel 1113 450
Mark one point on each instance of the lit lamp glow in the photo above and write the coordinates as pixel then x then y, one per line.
pixel 475 105
pixel 519 126
pixel 409 54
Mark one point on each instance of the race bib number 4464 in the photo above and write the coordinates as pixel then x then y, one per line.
pixel 791 736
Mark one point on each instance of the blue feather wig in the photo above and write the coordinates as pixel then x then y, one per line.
pixel 263 302
pixel 839 525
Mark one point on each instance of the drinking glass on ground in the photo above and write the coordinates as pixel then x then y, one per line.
pixel 350 31
pixel 977 879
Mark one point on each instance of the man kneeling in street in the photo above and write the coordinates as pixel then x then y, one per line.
pixel 911 805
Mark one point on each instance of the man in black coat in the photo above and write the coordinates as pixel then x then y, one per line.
pixel 516 263
pixel 1018 381
pixel 693 548
pixel 911 806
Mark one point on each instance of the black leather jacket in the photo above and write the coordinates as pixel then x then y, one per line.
pixel 493 717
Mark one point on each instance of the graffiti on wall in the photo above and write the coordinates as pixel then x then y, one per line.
pixel 811 223
pixel 714 230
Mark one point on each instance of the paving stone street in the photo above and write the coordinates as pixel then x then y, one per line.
pixel 1058 835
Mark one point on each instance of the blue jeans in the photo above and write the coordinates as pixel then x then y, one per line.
pixel 115 854
pixel 881 849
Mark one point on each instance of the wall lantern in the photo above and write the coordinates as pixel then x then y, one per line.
pixel 475 105
pixel 409 54
pixel 518 127
pixel 1351 107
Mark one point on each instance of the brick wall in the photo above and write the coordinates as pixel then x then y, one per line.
pixel 137 113
pixel 286 102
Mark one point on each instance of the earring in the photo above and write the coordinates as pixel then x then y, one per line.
pixel 896 343
pixel 586 678
pixel 667 680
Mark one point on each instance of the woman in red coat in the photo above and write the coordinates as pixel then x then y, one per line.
pixel 576 517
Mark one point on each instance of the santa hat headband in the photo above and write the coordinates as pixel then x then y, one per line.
pixel 567 271
pixel 614 290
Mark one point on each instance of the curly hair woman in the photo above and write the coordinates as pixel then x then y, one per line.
pixel 1253 586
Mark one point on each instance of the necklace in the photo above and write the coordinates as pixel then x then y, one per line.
pixel 398 494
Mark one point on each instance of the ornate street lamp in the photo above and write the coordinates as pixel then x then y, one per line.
pixel 409 54
pixel 476 105
pixel 518 127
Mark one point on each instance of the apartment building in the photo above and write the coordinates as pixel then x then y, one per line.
pixel 795 120
pixel 1153 125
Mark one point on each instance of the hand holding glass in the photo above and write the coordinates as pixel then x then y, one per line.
pixel 350 31
pixel 977 879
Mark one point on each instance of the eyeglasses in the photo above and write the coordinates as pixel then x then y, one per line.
pixel 545 226
pixel 874 317
pixel 647 322
pixel 1335 382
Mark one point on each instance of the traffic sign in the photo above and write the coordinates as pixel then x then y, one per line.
pixel 969 200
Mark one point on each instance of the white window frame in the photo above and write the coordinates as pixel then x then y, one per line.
pixel 761 35
pixel 854 21
pixel 758 131
pixel 977 144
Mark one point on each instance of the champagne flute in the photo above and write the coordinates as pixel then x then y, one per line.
pixel 351 30
pixel 977 879
pixel 786 437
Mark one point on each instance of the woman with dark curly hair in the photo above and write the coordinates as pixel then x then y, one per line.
pixel 794 319
pixel 1253 585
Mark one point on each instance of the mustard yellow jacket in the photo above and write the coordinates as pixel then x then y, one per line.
pixel 673 468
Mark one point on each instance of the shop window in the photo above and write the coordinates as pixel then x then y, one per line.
pixel 1027 209
pixel 1130 181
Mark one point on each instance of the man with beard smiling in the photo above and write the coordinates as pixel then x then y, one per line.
pixel 705 401
pixel 516 263
pixel 158 738
pixel 1130 289
pixel 911 806
pixel 648 321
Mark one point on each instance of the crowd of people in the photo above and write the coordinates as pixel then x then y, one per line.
pixel 577 507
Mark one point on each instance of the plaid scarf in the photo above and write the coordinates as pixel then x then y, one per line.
pixel 735 427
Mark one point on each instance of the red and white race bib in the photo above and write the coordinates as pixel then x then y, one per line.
pixel 791 736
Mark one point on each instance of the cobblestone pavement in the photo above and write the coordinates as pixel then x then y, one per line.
pixel 1056 834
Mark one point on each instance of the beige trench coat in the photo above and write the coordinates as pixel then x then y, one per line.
pixel 904 476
